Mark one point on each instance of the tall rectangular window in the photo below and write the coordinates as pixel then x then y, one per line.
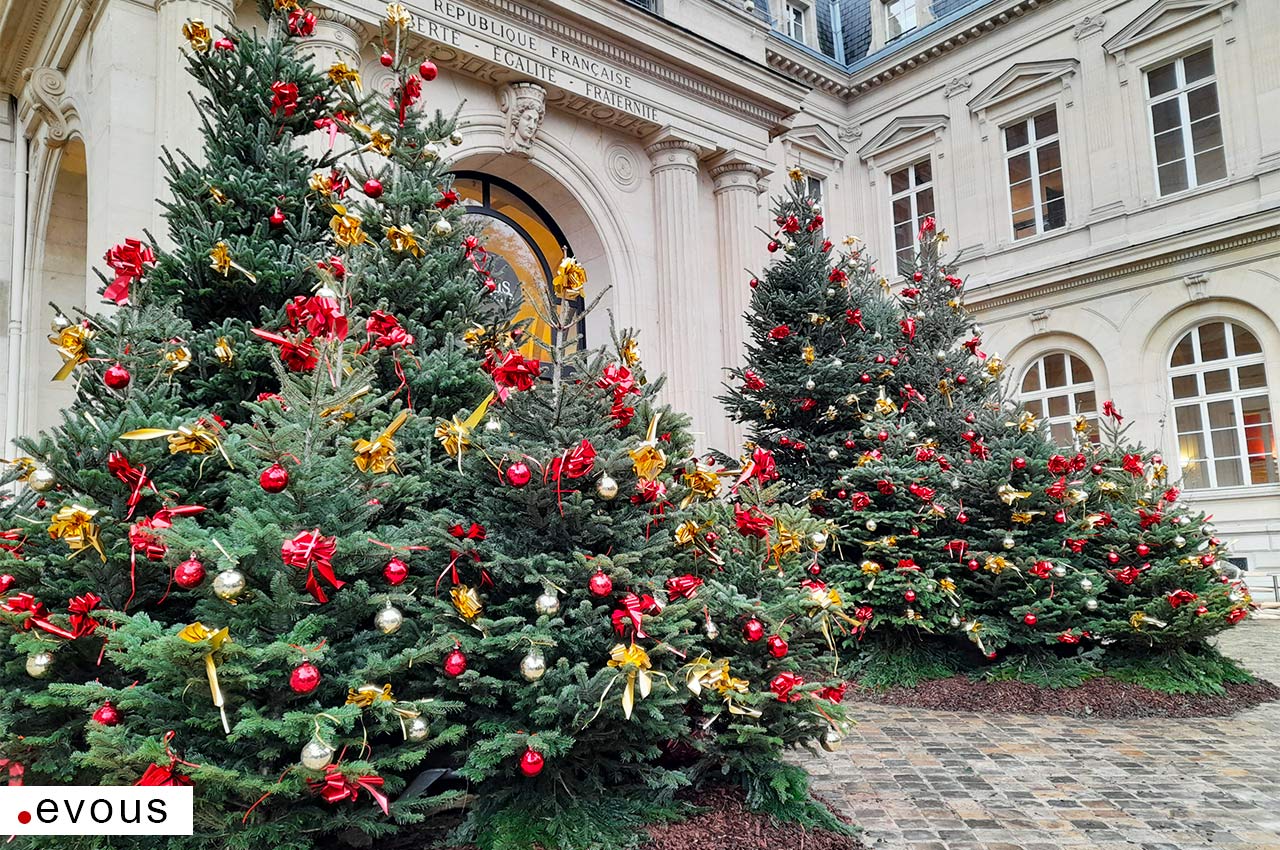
pixel 900 17
pixel 796 22
pixel 1033 163
pixel 1186 124
pixel 911 195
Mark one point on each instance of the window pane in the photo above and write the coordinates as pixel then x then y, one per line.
pixel 1251 377
pixel 924 202
pixel 1213 341
pixel 1020 196
pixel 1222 414
pixel 1024 224
pixel 1015 136
pixel 1191 447
pixel 1169 147
pixel 1046 124
pixel 1036 408
pixel 1210 166
pixel 924 172
pixel 1050 157
pixel 1165 115
pixel 1183 353
pixel 1055 214
pixel 1162 79
pixel 1055 370
pixel 1194 476
pixel 1019 168
pixel 1031 380
pixel 1173 177
pixel 1255 410
pixel 1229 473
pixel 902 210
pixel 899 180
pixel 1202 102
pixel 903 236
pixel 1051 186
pixel 1058 406
pixel 1060 433
pixel 1185 386
pixel 1187 418
pixel 1206 134
pixel 1086 402
pixel 1226 443
pixel 1198 65
pixel 1217 381
pixel 1080 372
pixel 1246 342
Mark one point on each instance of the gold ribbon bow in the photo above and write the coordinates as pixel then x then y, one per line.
pixel 637 660
pixel 197 34
pixel 647 459
pixel 467 601
pixel 715 676
pixel 397 17
pixel 340 72
pixel 403 240
pixel 74 524
pixel 224 352
pixel 198 633
pixel 196 439
pixel 703 482
pixel 786 542
pixel 1008 494
pixel 379 454
pixel 570 279
pixel 347 227
pixel 455 434
pixel 72 344
pixel 366 695
pixel 220 261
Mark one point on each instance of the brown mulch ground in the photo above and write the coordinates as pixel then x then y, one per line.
pixel 726 823
pixel 1102 697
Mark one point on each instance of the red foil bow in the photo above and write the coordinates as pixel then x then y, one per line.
pixel 25 603
pixel 133 477
pixel 157 775
pixel 629 616
pixel 335 787
pixel 297 356
pixel 682 587
pixel 313 552
pixel 126 260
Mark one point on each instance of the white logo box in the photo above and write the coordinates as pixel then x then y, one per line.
pixel 95 810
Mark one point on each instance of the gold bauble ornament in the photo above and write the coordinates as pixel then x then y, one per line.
pixel 39 664
pixel 417 729
pixel 547 604
pixel 455 138
pixel 832 740
pixel 316 755
pixel 389 620
pixel 442 227
pixel 607 487
pixel 818 541
pixel 41 479
pixel 229 584
pixel 533 666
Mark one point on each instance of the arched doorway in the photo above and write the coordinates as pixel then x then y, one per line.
pixel 525 246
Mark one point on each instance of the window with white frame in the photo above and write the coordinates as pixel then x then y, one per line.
pixel 900 17
pixel 796 22
pixel 1186 124
pixel 1221 408
pixel 814 190
pixel 1059 389
pixel 1033 164
pixel 911 198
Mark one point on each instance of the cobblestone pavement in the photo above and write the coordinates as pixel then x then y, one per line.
pixel 926 780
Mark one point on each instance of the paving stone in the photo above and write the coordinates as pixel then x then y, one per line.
pixel 929 780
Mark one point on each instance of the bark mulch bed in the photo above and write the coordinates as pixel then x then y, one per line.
pixel 723 821
pixel 1101 697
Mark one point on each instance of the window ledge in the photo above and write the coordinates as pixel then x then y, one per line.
pixel 1248 492
pixel 1195 191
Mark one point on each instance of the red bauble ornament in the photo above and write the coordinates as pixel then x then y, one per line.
pixel 224 44
pixel 973 565
pixel 386 59
pixel 754 283
pixel 531 762
pixel 274 478
pixel 753 630
pixel 848 444
pixel 107 714
pixel 882 436
pixel 777 646
pixel 276 218
pixel 880 358
pixel 1029 619
pixel 962 379
pixel 1113 557
pixel 1143 550
pixel 116 377
pixel 893 361
pixel 600 584
pixel 455 663
pixel 189 573
pixel 428 70
pixel 962 517
pixel 396 571
pixel 518 474
pixel 815 569
pixel 1096 469
pixel 1019 463
pixel 373 188
pixel 865 378
pixel 1201 611
pixel 910 596
pixel 305 678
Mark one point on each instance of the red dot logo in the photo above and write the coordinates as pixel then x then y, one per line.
pixel 24 817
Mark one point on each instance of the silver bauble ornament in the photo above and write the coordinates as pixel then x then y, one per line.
pixel 832 739
pixel 954 621
pixel 1179 541
pixel 871 525
pixel 228 584
pixel 442 227
pixel 430 151
pixel 1091 604
pixel 455 138
pixel 326 292
pixel 417 729
pixel 832 454
pixel 1007 543
pixel 712 630
pixel 607 487
pixel 532 666
pixel 818 541
pixel 60 323
pixel 940 355
pixel 316 755
pixel 836 361
pixel 830 292
pixel 1184 520
pixel 547 604
pixel 1059 570
pixel 41 479
pixel 931 424
pixel 1086 585
pixel 38 664
pixel 389 620
pixel 493 425
pixel 810 384
pixel 911 435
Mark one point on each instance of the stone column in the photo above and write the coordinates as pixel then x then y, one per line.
pixel 737 215
pixel 337 38
pixel 683 286
pixel 177 121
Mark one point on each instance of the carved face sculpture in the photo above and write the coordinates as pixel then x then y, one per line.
pixel 527 121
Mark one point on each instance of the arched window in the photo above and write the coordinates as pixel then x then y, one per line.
pixel 1058 387
pixel 1221 409
pixel 525 245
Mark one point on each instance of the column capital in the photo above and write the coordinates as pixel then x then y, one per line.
pixel 734 170
pixel 671 148
pixel 341 19
pixel 226 7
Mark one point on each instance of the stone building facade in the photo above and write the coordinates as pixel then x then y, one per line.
pixel 1108 172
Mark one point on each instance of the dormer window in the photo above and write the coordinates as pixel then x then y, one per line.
pixel 900 17
pixel 797 20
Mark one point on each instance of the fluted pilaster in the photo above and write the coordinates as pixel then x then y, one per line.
pixel 177 122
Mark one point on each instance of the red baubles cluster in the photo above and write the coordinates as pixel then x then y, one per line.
pixel 600 584
pixel 455 663
pixel 518 474
pixel 116 377
pixel 396 571
pixel 107 714
pixel 753 630
pixel 274 478
pixel 531 762
pixel 189 573
pixel 305 678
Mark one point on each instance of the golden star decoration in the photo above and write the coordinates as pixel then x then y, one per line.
pixel 796 174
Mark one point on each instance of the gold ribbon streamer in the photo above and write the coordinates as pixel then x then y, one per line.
pixel 72 344
pixel 455 434
pixel 379 454
pixel 197 633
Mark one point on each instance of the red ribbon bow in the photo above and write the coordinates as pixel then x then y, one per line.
pixel 321 316
pixel 313 552
pixel 81 609
pixel 284 96
pixel 575 462
pixel 297 356
pixel 629 615
pixel 15 771
pixel 682 587
pixel 157 775
pixel 335 787
pixel 475 532
pixel 126 260
pixel 25 603
pixel 133 477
